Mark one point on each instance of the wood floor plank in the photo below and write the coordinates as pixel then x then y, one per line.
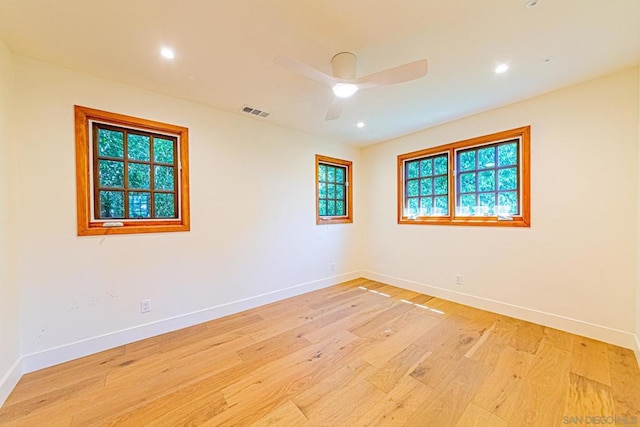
pixel 544 391
pixel 310 401
pixel 590 359
pixel 402 364
pixel 446 356
pixel 475 416
pixel 588 398
pixel 448 402
pixel 285 415
pixel 393 338
pixel 560 339
pixel 348 406
pixel 500 391
pixel 625 382
pixel 399 405
pixel 358 353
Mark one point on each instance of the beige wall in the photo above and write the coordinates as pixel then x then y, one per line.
pixel 9 315
pixel 252 216
pixel 576 266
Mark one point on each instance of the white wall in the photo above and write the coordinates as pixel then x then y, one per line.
pixel 576 266
pixel 252 218
pixel 9 315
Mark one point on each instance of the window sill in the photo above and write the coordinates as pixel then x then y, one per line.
pixel 97 228
pixel 470 221
pixel 339 220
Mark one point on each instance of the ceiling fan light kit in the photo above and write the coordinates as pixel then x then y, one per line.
pixel 344 83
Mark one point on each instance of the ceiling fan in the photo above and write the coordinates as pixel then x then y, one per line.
pixel 344 83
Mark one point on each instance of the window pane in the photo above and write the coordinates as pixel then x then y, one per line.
pixel 508 202
pixel 487 180
pixel 340 192
pixel 331 191
pixel 508 179
pixel 441 166
pixel 441 185
pixel 138 147
pixel 322 207
pixel 412 207
pixel 111 204
pixel 442 205
pixel 331 207
pixel 139 176
pixel 111 173
pixel 507 154
pixel 322 190
pixel 322 173
pixel 467 160
pixel 467 182
pixel 412 188
pixel 467 204
pixel 163 150
pixel 412 169
pixel 340 175
pixel 425 186
pixel 488 201
pixel 139 205
pixel 163 179
pixel 426 206
pixel 110 143
pixel 165 205
pixel 426 167
pixel 331 174
pixel 486 157
pixel 340 208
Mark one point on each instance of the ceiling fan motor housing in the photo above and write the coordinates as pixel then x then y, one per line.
pixel 343 65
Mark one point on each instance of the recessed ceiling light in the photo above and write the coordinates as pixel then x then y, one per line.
pixel 360 124
pixel 167 53
pixel 501 68
pixel 344 90
pixel 532 3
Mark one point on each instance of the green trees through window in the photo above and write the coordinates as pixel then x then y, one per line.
pixel 136 174
pixel 480 181
pixel 333 190
pixel 132 174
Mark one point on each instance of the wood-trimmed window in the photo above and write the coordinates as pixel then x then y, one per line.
pixel 132 174
pixel 334 188
pixel 479 181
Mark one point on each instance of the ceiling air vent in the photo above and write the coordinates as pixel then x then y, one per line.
pixel 254 111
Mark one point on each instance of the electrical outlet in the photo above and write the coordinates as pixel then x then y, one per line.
pixel 145 306
pixel 458 279
pixel 333 267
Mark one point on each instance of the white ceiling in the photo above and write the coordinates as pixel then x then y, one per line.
pixel 224 52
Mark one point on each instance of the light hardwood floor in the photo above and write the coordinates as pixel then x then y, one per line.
pixel 356 354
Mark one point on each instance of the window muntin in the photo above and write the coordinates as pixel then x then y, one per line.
pixel 488 181
pixel 333 190
pixel 132 174
pixel 139 185
pixel 427 186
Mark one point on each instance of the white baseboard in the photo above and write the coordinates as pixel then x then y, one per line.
pixel 636 350
pixel 53 356
pixel 578 327
pixel 10 379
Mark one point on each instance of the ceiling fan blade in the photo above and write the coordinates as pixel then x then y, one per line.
pixel 399 74
pixel 335 110
pixel 304 70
